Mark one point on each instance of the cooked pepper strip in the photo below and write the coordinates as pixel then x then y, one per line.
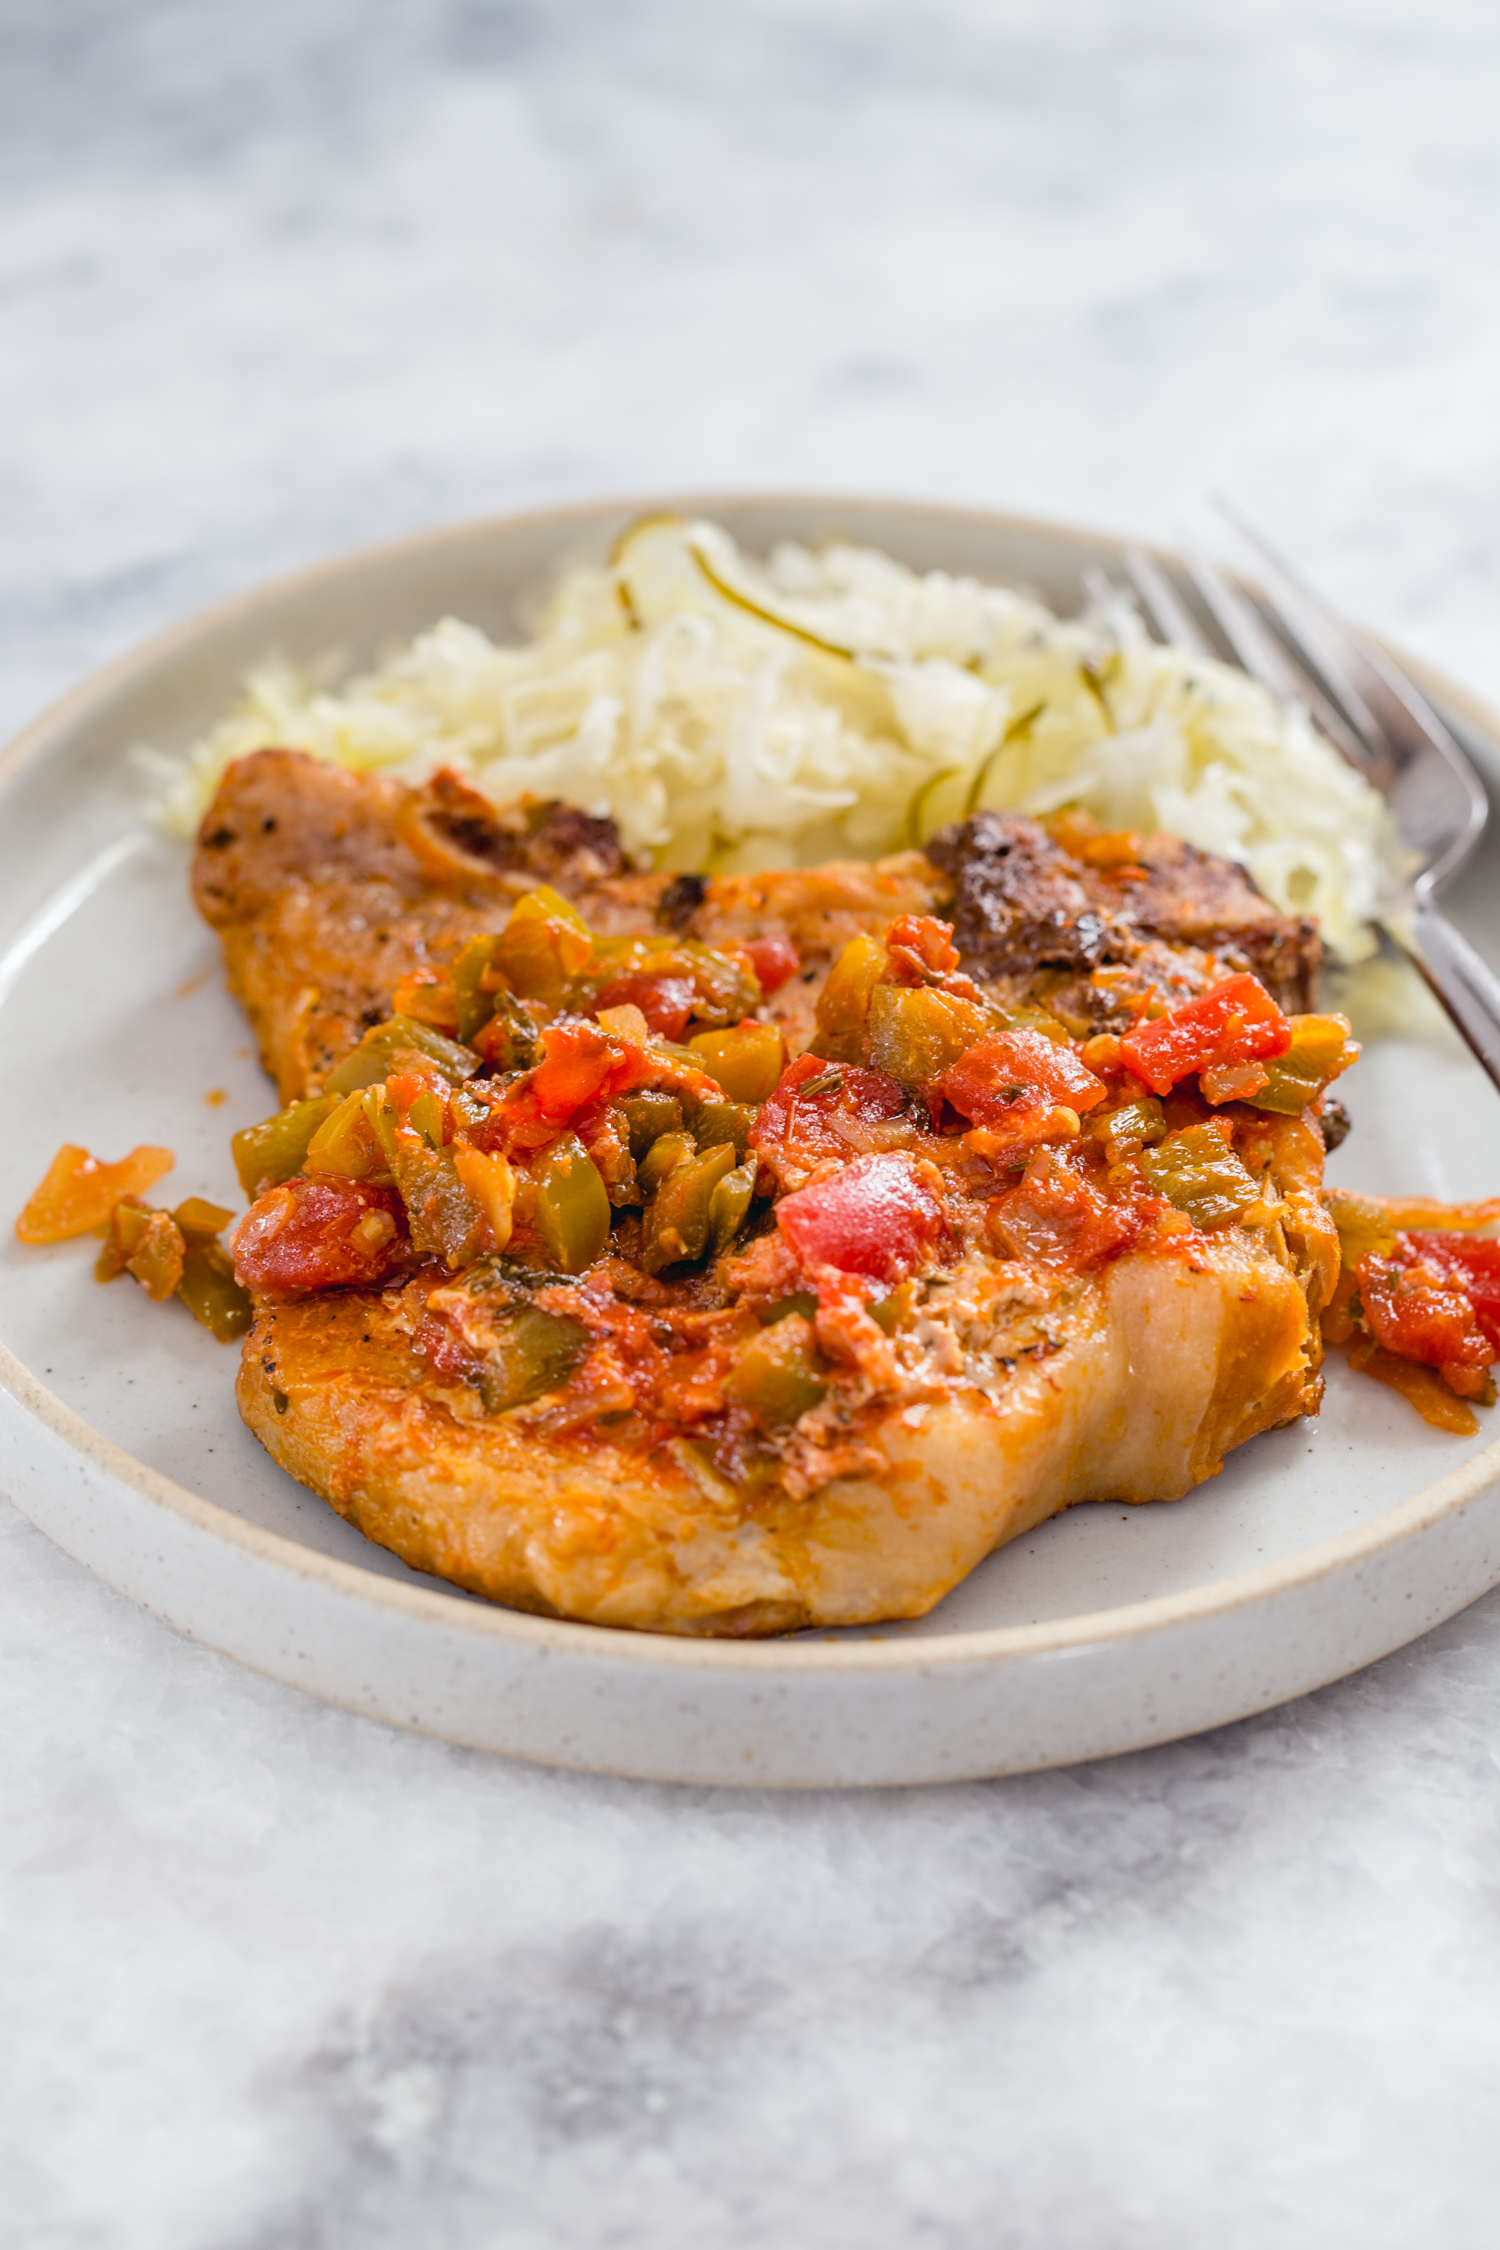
pixel 428 997
pixel 844 1002
pixel 1321 1050
pixel 211 1293
pixel 647 1116
pixel 680 1218
pixel 917 1033
pixel 1198 1172
pixel 879 1217
pixel 572 1206
pixel 79 1193
pixel 276 1149
pixel 345 1142
pixel 1236 1024
pixel 728 1204
pixel 1130 1128
pixel 533 1352
pixel 157 1259
pixel 746 1061
pixel 778 1376
pixel 477 985
pixel 544 944
pixel 714 1122
pixel 375 1056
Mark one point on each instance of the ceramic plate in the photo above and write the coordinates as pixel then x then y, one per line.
pixel 1318 1549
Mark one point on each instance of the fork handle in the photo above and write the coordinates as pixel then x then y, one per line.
pixel 1466 984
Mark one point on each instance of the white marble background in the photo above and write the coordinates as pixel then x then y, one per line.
pixel 279 278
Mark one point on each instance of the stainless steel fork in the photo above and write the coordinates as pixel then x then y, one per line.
pixel 1376 718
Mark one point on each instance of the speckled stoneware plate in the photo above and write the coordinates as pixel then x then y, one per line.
pixel 1318 1549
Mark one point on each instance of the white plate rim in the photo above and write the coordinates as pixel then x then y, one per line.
pixel 1446 1497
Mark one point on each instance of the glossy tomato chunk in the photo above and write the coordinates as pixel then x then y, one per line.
pixel 1238 1022
pixel 1474 1266
pixel 878 1218
pixel 1418 1307
pixel 775 961
pixel 324 1233
pixel 666 1002
pixel 581 1066
pixel 1009 1066
pixel 810 1091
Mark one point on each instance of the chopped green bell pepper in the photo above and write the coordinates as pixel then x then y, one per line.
pixel 543 946
pixel 778 1376
pixel 276 1149
pixel 374 1058
pixel 728 1204
pixel 1198 1172
pixel 572 1205
pixel 533 1352
pixel 664 1155
pixel 678 1219
pixel 716 1122
pixel 211 1293
pixel 1321 1049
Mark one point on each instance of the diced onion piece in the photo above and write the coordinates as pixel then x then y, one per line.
pixel 491 1184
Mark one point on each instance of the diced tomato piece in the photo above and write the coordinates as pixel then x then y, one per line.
pixel 323 1233
pixel 1009 1066
pixel 1238 1022
pixel 878 1218
pixel 578 1065
pixel 793 1119
pixel 1057 1216
pixel 408 1086
pixel 1419 1309
pixel 918 946
pixel 665 1002
pixel 581 1065
pixel 1475 1266
pixel 775 961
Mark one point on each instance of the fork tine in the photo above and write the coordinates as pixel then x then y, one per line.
pixel 1160 601
pixel 1406 718
pixel 1266 660
pixel 1344 656
pixel 1101 588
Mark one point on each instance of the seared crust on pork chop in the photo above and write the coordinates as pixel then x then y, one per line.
pixel 1022 904
pixel 323 908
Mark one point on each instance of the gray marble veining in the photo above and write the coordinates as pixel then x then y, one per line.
pixel 274 280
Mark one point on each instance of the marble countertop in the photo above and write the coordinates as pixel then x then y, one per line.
pixel 277 280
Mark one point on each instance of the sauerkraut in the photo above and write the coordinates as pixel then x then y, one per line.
pixel 733 715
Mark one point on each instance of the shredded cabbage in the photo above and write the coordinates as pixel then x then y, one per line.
pixel 733 716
